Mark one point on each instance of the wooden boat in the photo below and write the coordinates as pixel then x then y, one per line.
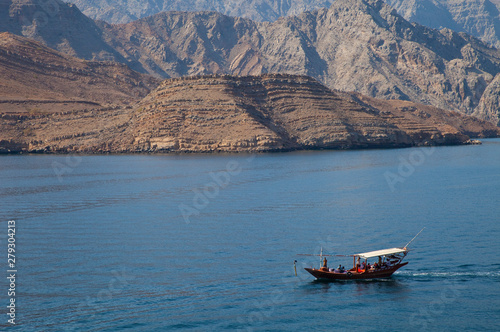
pixel 387 261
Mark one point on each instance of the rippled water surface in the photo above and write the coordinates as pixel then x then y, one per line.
pixel 207 242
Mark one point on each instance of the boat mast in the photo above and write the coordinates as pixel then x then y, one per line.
pixel 413 239
pixel 321 258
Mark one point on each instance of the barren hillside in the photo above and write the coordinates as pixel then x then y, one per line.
pixel 240 114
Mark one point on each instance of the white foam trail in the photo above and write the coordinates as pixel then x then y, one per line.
pixel 450 274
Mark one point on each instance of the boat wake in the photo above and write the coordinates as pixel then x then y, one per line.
pixel 449 274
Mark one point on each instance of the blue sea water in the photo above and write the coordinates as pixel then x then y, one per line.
pixel 207 242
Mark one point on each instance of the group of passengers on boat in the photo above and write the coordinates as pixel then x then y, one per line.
pixel 364 267
pixel 360 268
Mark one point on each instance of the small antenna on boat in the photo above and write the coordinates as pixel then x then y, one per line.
pixel 413 238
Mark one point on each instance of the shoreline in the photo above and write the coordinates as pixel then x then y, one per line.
pixel 472 141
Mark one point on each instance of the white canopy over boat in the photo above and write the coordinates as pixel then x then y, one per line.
pixel 382 252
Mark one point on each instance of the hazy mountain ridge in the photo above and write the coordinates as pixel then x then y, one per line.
pixel 479 18
pixel 116 11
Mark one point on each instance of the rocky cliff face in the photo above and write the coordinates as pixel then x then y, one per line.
pixel 240 114
pixel 35 78
pixel 355 45
pixel 114 11
pixel 489 105
pixel 480 18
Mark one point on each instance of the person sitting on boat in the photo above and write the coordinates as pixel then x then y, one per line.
pixel 375 266
pixel 340 269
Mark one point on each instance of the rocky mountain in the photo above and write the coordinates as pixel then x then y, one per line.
pixel 37 79
pixel 479 18
pixel 58 25
pixel 355 45
pixel 116 11
pixel 270 112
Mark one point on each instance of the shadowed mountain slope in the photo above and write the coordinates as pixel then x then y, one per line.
pixel 56 24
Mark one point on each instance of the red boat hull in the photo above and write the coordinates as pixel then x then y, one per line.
pixel 353 275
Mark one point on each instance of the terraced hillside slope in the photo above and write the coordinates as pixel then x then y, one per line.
pixel 270 112
pixel 35 78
